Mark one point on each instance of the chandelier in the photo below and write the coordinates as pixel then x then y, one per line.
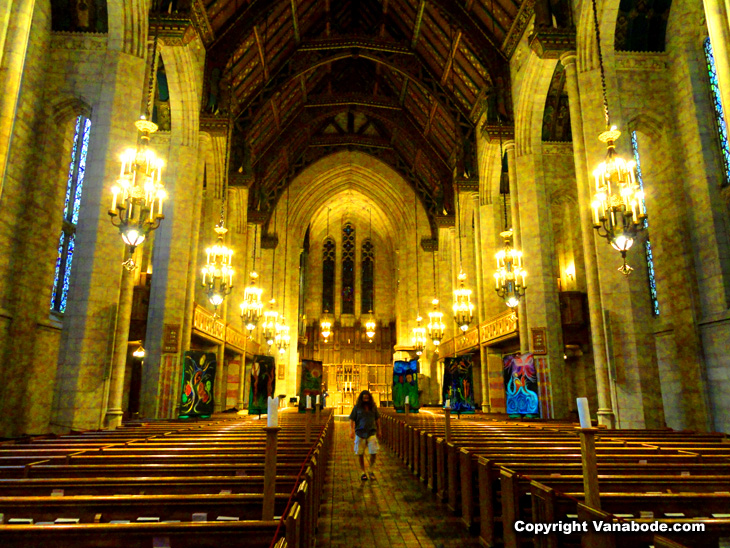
pixel 138 194
pixel 325 326
pixel 463 307
pixel 370 327
pixel 282 337
pixel 251 307
pixel 218 272
pixel 271 317
pixel 418 338
pixel 435 324
pixel 510 276
pixel 618 204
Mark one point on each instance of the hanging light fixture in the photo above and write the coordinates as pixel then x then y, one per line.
pixel 139 353
pixel 435 317
pixel 271 317
pixel 325 324
pixel 218 272
pixel 418 338
pixel 509 278
pixel 370 327
pixel 251 307
pixel 283 338
pixel 618 203
pixel 138 194
pixel 463 307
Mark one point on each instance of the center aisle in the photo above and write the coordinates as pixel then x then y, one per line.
pixel 394 511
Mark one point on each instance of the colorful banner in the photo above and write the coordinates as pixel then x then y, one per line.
pixel 458 386
pixel 262 384
pixel 311 384
pixel 405 383
pixel 520 385
pixel 198 379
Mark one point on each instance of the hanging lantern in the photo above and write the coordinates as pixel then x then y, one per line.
pixel 463 308
pixel 138 195
pixel 251 306
pixel 370 327
pixel 217 272
pixel 270 324
pixel 419 337
pixel 326 326
pixel 282 337
pixel 618 204
pixel 435 324
pixel 510 276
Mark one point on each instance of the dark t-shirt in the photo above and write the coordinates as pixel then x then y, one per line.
pixel 364 421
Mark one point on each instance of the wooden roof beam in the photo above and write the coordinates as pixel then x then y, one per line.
pixel 450 59
pixel 262 55
pixel 417 23
pixel 295 21
pixel 431 114
pixel 382 24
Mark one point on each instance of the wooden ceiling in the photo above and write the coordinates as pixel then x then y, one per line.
pixel 403 80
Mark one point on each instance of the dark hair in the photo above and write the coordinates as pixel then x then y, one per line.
pixel 369 405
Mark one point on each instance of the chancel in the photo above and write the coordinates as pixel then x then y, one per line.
pixel 407 197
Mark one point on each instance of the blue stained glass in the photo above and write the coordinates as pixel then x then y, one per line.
pixel 647 244
pixel 67 272
pixel 72 168
pixel 719 115
pixel 652 277
pixel 59 260
pixel 81 171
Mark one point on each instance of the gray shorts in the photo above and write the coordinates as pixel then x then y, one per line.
pixel 371 443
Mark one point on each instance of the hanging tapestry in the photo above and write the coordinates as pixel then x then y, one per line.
pixel 262 384
pixel 520 385
pixel 311 384
pixel 197 384
pixel 458 386
pixel 405 383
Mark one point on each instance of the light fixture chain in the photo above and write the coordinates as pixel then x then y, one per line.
pixel 153 71
pixel 286 247
pixel 273 258
pixel 600 64
pixel 418 289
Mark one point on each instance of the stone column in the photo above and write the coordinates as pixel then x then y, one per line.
pixel 119 357
pixel 541 296
pixel 716 16
pixel 15 20
pixel 605 411
pixel 509 148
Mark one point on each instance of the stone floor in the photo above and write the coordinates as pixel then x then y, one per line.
pixel 394 511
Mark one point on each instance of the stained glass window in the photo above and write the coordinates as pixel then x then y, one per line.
pixel 719 116
pixel 367 300
pixel 328 275
pixel 348 269
pixel 67 240
pixel 647 243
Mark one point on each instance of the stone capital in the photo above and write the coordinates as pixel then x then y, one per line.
pixel 508 145
pixel 568 58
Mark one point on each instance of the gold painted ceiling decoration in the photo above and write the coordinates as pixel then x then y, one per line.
pixel 403 80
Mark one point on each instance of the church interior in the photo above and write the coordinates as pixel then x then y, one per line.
pixel 197 196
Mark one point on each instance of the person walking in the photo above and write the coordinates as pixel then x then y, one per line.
pixel 365 429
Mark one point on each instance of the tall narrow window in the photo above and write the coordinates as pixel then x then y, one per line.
pixel 719 115
pixel 647 244
pixel 367 300
pixel 67 240
pixel 348 269
pixel 328 275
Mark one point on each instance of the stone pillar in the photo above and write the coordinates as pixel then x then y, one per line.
pixel 716 16
pixel 509 148
pixel 170 280
pixel 541 296
pixel 16 17
pixel 478 265
pixel 605 411
pixel 119 357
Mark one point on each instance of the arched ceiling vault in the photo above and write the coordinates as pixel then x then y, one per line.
pixel 402 80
